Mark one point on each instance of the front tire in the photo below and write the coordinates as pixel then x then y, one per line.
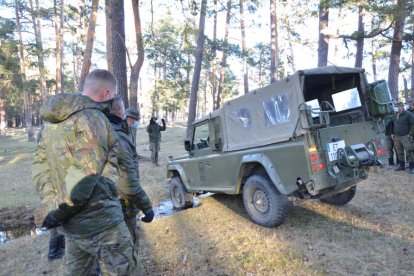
pixel 264 204
pixel 340 198
pixel 181 199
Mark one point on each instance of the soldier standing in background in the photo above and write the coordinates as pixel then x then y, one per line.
pixel 154 133
pixel 136 199
pixel 75 174
pixel 402 135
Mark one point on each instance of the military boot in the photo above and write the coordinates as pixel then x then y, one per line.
pixel 56 248
pixel 401 166
pixel 411 167
pixel 391 161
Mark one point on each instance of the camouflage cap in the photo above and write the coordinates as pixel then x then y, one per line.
pixel 133 113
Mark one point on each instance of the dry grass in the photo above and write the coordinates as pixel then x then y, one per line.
pixel 372 235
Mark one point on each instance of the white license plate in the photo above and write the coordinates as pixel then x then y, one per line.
pixel 332 149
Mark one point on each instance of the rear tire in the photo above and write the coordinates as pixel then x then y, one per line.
pixel 264 204
pixel 181 199
pixel 340 198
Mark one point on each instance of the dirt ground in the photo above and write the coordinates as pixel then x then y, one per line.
pixel 16 217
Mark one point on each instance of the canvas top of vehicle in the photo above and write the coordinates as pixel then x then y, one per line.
pixel 275 113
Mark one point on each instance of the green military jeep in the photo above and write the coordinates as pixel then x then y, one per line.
pixel 312 135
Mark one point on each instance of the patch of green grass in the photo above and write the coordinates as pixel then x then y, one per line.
pixel 16 157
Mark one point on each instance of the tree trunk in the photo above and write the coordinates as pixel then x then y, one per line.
pixel 323 45
pixel 118 49
pixel 214 67
pixel 274 47
pixel 39 49
pixel 58 21
pixel 27 107
pixel 373 60
pixel 244 50
pixel 2 117
pixel 412 64
pixel 90 38
pixel 80 39
pixel 224 56
pixel 197 67
pixel 337 41
pixel 108 20
pixel 394 67
pixel 136 69
pixel 289 37
pixel 360 42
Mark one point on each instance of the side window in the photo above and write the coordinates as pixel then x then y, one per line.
pixel 244 116
pixel 201 137
pixel 276 110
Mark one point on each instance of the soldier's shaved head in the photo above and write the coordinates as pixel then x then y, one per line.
pixel 118 107
pixel 100 85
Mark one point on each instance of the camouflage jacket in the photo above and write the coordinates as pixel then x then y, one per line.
pixel 133 196
pixel 154 132
pixel 403 123
pixel 76 164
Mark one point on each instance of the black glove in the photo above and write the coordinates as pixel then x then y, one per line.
pixel 163 121
pixel 148 217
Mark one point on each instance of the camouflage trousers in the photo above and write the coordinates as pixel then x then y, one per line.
pixel 112 251
pixel 154 147
pixel 404 143
pixel 390 146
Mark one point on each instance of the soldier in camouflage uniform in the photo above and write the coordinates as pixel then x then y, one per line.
pixel 132 117
pixel 75 174
pixel 154 133
pixel 402 134
pixel 128 164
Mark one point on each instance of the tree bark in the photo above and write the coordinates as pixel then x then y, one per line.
pixel 81 32
pixel 394 67
pixel 323 45
pixel 39 48
pixel 197 68
pixel 108 20
pixel 373 60
pixel 2 117
pixel 118 49
pixel 337 41
pixel 223 63
pixel 360 42
pixel 90 38
pixel 290 43
pixel 214 67
pixel 27 110
pixel 274 47
pixel 412 63
pixel 58 21
pixel 244 50
pixel 136 69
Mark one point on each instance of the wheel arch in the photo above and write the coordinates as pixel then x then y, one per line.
pixel 254 163
pixel 177 170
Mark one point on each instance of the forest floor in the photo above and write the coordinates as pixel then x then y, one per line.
pixel 372 235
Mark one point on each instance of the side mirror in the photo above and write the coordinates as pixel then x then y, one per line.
pixel 187 145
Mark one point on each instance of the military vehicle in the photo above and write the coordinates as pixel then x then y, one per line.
pixel 312 135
